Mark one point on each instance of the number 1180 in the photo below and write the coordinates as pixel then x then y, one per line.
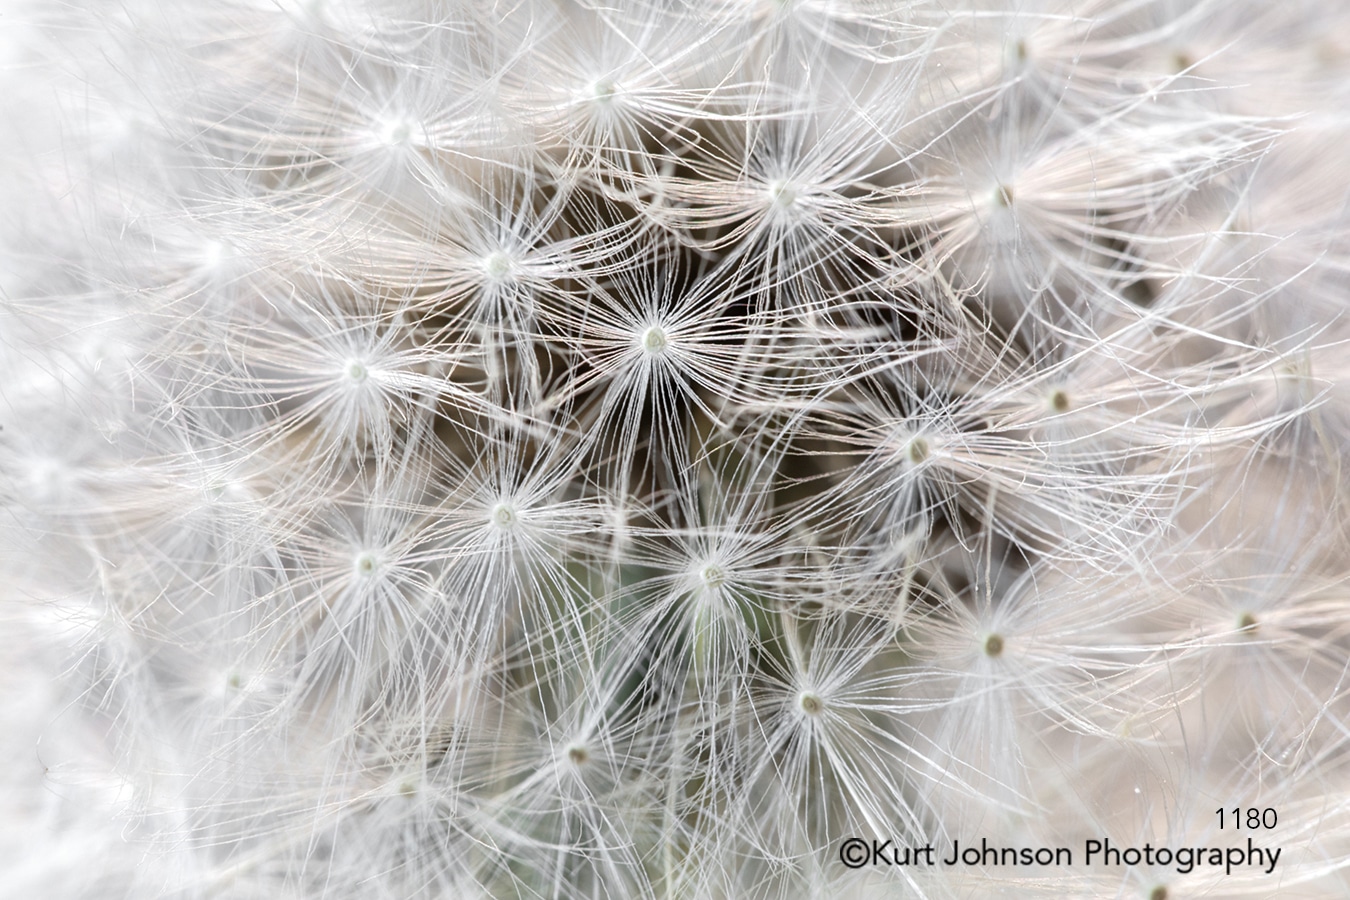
pixel 1255 818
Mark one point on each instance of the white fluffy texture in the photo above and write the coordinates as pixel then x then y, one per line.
pixel 567 450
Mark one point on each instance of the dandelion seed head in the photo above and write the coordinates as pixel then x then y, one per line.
pixel 602 91
pixel 356 371
pixel 634 432
pixel 810 703
pixel 366 564
pixel 781 194
pixel 395 132
pixel 653 340
pixel 498 266
pixel 504 516
pixel 1002 196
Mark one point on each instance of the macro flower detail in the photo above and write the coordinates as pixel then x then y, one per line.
pixel 679 449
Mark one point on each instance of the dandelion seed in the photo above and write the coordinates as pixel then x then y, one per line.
pixel 504 516
pixel 498 266
pixel 654 340
pixel 781 194
pixel 396 133
pixel 603 91
pixel 366 564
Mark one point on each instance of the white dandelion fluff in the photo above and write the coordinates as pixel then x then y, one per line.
pixel 574 450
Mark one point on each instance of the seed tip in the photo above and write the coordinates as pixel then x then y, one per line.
pixel 781 194
pixel 503 515
pixel 654 340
